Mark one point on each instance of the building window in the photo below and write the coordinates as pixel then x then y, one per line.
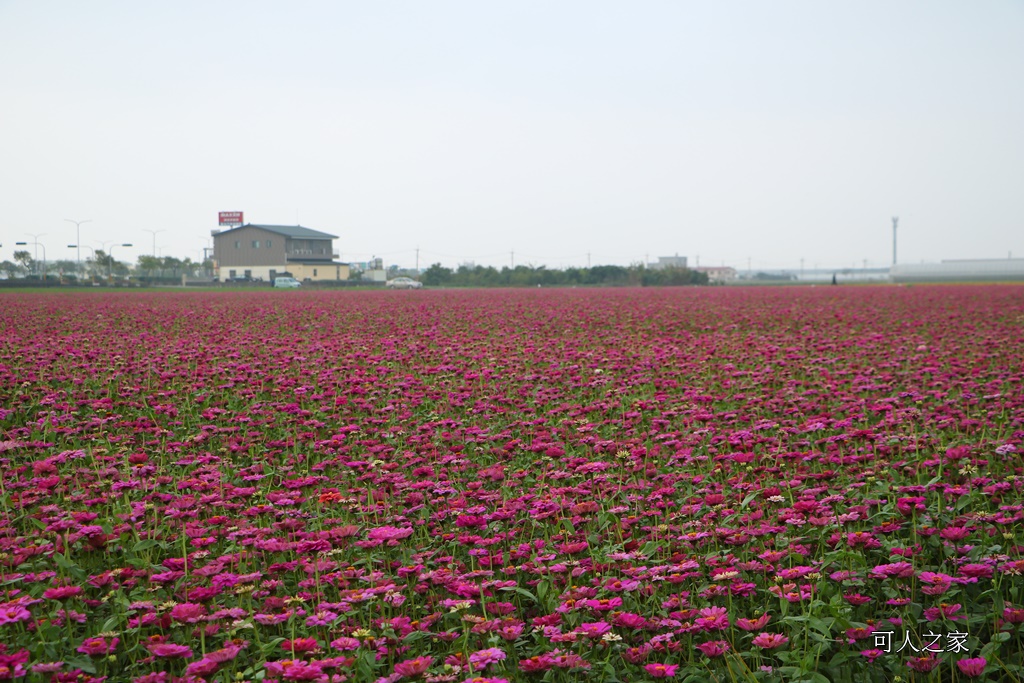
pixel 268 244
pixel 255 244
pixel 231 274
pixel 238 244
pixel 314 272
pixel 248 275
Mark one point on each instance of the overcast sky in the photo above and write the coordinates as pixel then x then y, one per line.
pixel 722 130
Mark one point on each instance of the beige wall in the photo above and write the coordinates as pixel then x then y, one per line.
pixel 326 271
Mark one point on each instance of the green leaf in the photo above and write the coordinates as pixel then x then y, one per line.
pixel 522 591
pixel 814 676
pixel 63 562
pixel 83 663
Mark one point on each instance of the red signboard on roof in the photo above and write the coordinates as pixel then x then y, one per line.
pixel 230 217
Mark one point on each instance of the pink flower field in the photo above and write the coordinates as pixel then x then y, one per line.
pixel 714 484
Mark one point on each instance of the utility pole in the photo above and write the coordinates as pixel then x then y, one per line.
pixel 154 234
pixel 588 260
pixel 78 238
pixel 512 256
pixel 417 260
pixel 895 223
pixel 801 266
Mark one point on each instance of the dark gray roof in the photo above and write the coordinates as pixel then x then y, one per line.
pixel 315 262
pixel 296 231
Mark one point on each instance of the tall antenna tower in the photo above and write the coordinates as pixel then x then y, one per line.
pixel 895 223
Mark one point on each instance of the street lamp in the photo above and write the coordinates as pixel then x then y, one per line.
pixel 81 272
pixel 38 244
pixel 78 237
pixel 110 265
pixel 35 255
pixel 154 234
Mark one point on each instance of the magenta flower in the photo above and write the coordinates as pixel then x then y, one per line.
pixel 923 664
pixel 413 667
pixel 661 670
pixel 713 619
pixel 594 629
pixel 295 670
pixel 12 613
pixel 714 648
pixel 170 650
pixel 203 667
pixel 98 647
pixel 481 659
pixel 943 611
pixel 188 613
pixel 769 641
pixel 972 667
pixel 753 624
pixel 62 592
pixel 345 644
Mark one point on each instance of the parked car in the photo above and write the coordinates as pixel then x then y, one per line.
pixel 404 283
pixel 281 282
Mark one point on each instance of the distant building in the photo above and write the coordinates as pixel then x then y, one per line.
pixel 266 251
pixel 718 275
pixel 960 270
pixel 663 262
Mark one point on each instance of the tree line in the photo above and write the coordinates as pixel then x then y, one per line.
pixel 101 264
pixel 636 275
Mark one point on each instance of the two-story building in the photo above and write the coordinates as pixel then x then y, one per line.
pixel 266 251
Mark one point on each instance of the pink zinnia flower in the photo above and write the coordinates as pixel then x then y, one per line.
pixel 976 571
pixel 935 583
pixel 713 619
pixel 345 644
pixel 537 663
pixel 413 667
pixel 170 650
pixel 483 658
pixel 188 613
pixel 943 611
pixel 753 624
pixel 973 667
pixel 1013 615
pixel 204 667
pixel 714 648
pixel 872 654
pixel 955 533
pixel 900 570
pixel 770 641
pixel 923 664
pixel 295 670
pixel 594 629
pixel 12 613
pixel 661 670
pixel 98 647
pixel 61 592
